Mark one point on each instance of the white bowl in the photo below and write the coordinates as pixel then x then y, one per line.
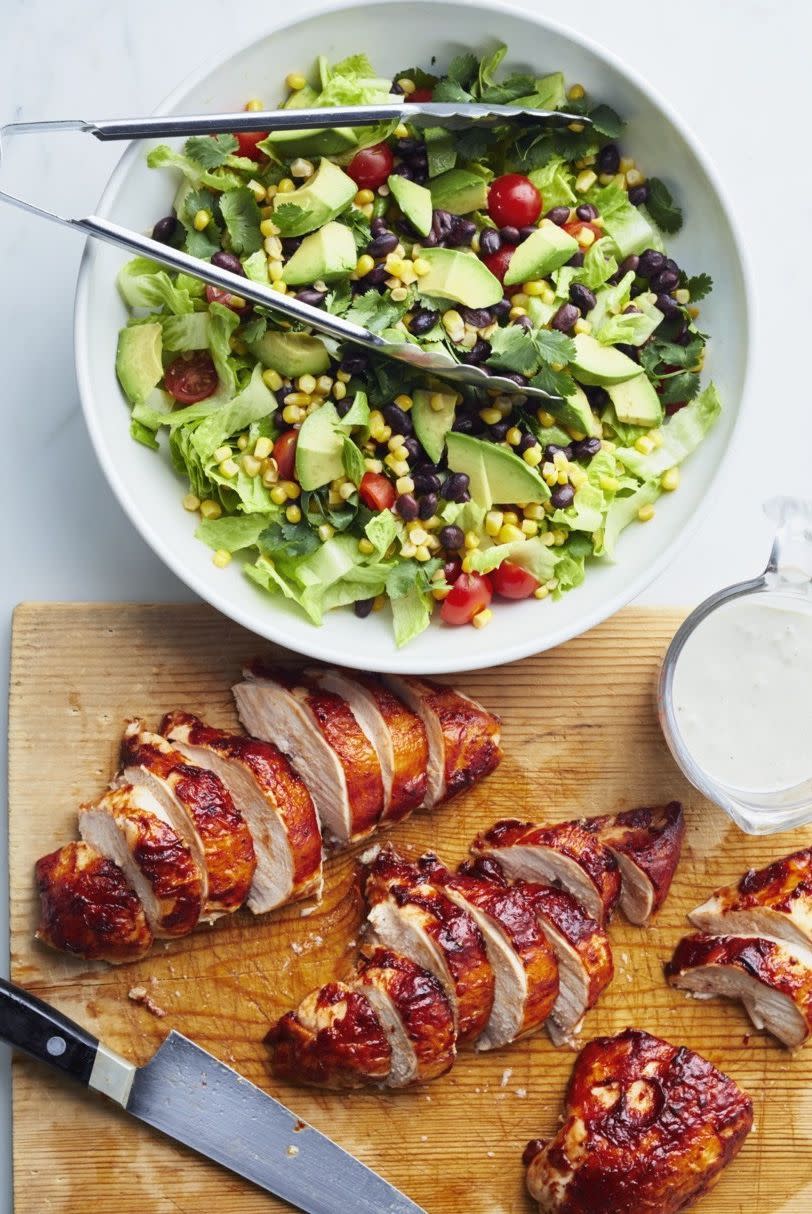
pixel 396 36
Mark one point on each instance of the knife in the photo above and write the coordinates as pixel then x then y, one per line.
pixel 194 1098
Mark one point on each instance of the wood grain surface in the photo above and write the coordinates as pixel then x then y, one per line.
pixel 580 736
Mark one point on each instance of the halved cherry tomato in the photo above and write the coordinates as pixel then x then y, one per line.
pixel 235 302
pixel 470 594
pixel 370 167
pixel 284 452
pixel 578 226
pixel 247 144
pixel 420 95
pixel 376 492
pixel 511 581
pixel 513 201
pixel 190 379
pixel 499 261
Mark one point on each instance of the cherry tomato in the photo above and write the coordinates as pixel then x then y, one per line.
pixel 499 261
pixel 510 581
pixel 578 225
pixel 190 379
pixel 470 594
pixel 376 492
pixel 247 144
pixel 370 167
pixel 235 302
pixel 513 201
pixel 284 452
pixel 420 95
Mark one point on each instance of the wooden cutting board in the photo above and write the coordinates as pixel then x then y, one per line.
pixel 580 737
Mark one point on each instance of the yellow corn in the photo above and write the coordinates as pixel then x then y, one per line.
pixel 191 502
pixel 510 516
pixel 401 131
pixel 221 558
pixel 268 228
pixel 516 312
pixel 293 514
pixel 421 267
pixel 529 527
pixel 222 453
pixel 493 522
pixel 634 177
pixel 585 180
pixel 422 553
pixel 535 286
pixel 408 549
pixel 509 534
pixel 210 509
pixel 533 456
pixel 326 532
pixel 281 287
pixel 399 294
pixel 626 164
pixel 292 489
pixel 272 379
pixel 366 546
pixel 669 481
pixel 514 436
pixel 251 465
pixel 364 264
pixel 293 414
pixel 645 513
pixel 404 484
pixel 609 484
pixel 301 167
pixel 201 220
pixel 540 592
pixel 259 191
pixel 582 326
pixel 534 511
pixel 295 81
pixel 306 384
pixel 585 237
pixel 228 468
pixel 285 186
pixel 408 86
pixel 363 197
pixel 490 416
pixel 682 296
pixel 471 540
pixel 278 495
pixel 254 105
pixel 644 445
pixel 576 92
pixel 440 400
pixel 404 402
pixel 275 270
pixel 482 618
pixel 339 389
pixel 545 418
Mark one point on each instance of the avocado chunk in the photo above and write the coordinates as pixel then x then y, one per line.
pixel 138 360
pixel 327 254
pixel 601 365
pixel 432 425
pixel 291 354
pixel 287 145
pixel 319 200
pixel 507 478
pixel 459 191
pixel 414 200
pixel 319 447
pixel 544 251
pixel 575 412
pixel 636 402
pixel 461 277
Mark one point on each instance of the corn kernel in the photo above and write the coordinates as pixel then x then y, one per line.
pixel 268 228
pixel 634 178
pixel 471 540
pixel 510 516
pixel 529 527
pixel 270 473
pixel 407 86
pixel 534 511
pixel 399 294
pixel 509 533
pixel 514 436
pixel 533 456
pixel 302 399
pixel 657 438
pixel 210 509
pixel 346 490
pixel 452 320
pixel 441 593
pixel 293 414
pixel 545 418
pixel 242 442
pixel 281 287
pixel 547 539
pixel 301 167
pixel 422 553
pixel 364 264
pixel 306 384
pixel 540 592
pixel 401 131
pixel 693 313
pixel 254 106
pixel 324 384
pixel 609 484
pixel 251 465
pixel 363 197
pixel 560 460
pixel 575 92
pixel 272 379
pixel 645 513
pixel 292 489
pixel 575 127
pixel 191 502
pixel 582 326
pixel 535 286
pixel 404 402
pixel 482 618
pixel 379 602
pixel 585 237
pixel 517 312
pixel 263 446
pixel 585 180
pixel 366 546
pixel 228 467
pixel 493 522
pixel 222 453
pixel 606 178
pixel 258 190
pixel 285 186
pixel 326 532
pixel 339 390
pixel 490 416
pixel 278 495
pixel 682 296
pixel 404 484
pixel 520 300
pixel 367 210
pixel 221 558
pixel 626 164
pixel 548 295
pixel 293 514
pixel 295 81
pixel 442 400
pixel 421 267
pixel 669 481
pixel 644 445
pixel 408 549
pixel 201 220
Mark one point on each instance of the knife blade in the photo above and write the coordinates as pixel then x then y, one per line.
pixel 192 1097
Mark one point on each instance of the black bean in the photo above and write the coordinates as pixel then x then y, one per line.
pixel 650 263
pixel 684 338
pixel 283 393
pixel 562 496
pixel 500 310
pixel 378 225
pixel 585 448
pixel 363 607
pixel 524 322
pixel 598 397
pixel 526 442
pixel 422 320
pixel 407 507
pixel 464 423
pixel 383 243
pixel 632 262
pixel 290 244
pixel 412 447
pixel 452 538
pixel 558 215
pixel 360 286
pixel 516 378
pixel 479 351
pixel 378 276
pixel 406 147
pixel 586 212
pixel 582 297
pixel 670 264
pixel 664 282
pixel 404 170
pixel 461 232
pixel 565 318
pixel 552 449
pixel 425 481
pixel 443 219
pixel 310 295
pixel 405 228
pixel 395 88
pixel 608 159
pixel 428 506
pixel 638 195
pixel 498 431
pixel 397 419
pixel 668 306
pixel 478 317
pixel 354 362
pixel 631 352
pixel 489 242
pixel 527 231
pixel 342 406
pixel 577 259
pixel 509 234
pixel 166 229
pixel 227 261
pixel 455 488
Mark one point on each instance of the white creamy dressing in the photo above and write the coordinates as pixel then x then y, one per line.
pixel 742 693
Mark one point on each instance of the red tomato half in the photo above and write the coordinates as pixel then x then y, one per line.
pixel 190 379
pixel 247 144
pixel 376 492
pixel 510 581
pixel 499 261
pixel 370 167
pixel 420 95
pixel 513 201
pixel 578 225
pixel 470 594
pixel 284 452
pixel 235 302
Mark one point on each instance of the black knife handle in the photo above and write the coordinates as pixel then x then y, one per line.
pixel 41 1031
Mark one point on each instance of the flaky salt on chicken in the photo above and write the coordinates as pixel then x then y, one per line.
pixel 648 1129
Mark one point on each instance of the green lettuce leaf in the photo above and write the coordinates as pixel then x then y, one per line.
pixel 681 435
pixel 233 532
pixel 630 328
pixel 555 182
pixel 256 267
pixel 222 323
pixel 411 615
pixel 531 554
pixel 599 264
pixel 188 332
pixel 623 511
pixel 254 402
pixel 143 284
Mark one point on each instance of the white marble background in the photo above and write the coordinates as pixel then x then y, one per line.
pixel 724 64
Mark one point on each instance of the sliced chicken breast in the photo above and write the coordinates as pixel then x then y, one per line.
pixel 397 734
pixel 524 965
pixel 334 1039
pixel 201 810
pixel 463 737
pixel 566 854
pixel 416 1014
pixel 773 901
pixel 773 980
pixel 272 798
pixel 130 827
pixel 647 844
pixel 87 907
pixel 320 735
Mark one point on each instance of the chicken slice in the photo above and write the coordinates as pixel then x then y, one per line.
pixel 274 801
pixel 566 854
pixel 646 843
pixel 320 735
pixel 334 1039
pixel 87 907
pixel 773 980
pixel 201 810
pixel 773 901
pixel 413 917
pixel 397 734
pixel 130 827
pixel 524 965
pixel 648 1129
pixel 463 737
pixel 416 1013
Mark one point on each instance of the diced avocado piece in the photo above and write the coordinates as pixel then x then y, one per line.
pixel 575 412
pixel 319 447
pixel 459 191
pixel 544 251
pixel 414 200
pixel 600 365
pixel 433 425
pixel 440 149
pixel 138 360
pixel 461 277
pixel 636 402
pixel 327 254
pixel 631 231
pixel 507 478
pixel 323 197
pixel 287 145
pixel 548 94
pixel 291 354
pixel 465 455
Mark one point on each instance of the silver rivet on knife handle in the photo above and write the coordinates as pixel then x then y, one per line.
pixel 112 1075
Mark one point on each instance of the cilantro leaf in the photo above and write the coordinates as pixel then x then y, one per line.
pixel 463 69
pixel 315 502
pixel 553 347
pixel 557 383
pixel 533 354
pixel 290 218
pixel 375 312
pixel 357 222
pixel 513 349
pixel 339 298
pixel 200 244
pixel 288 539
pixel 655 353
pixel 679 387
pixel 410 574
pixel 665 212
pixel 210 151
pixel 606 122
pixel 700 285
pixel 253 328
pixel 353 461
pixel 422 78
pixel 242 218
pixel 475 143
pixel 509 90
pixel 450 90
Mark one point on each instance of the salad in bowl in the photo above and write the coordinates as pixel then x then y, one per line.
pixel 339 479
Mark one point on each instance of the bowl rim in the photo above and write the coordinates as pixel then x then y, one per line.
pixel 401 660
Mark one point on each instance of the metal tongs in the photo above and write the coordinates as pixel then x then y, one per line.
pixel 450 116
